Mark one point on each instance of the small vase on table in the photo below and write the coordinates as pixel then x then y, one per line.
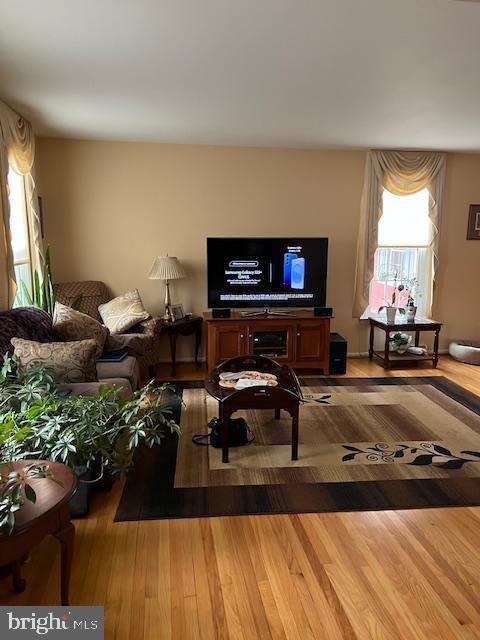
pixel 391 313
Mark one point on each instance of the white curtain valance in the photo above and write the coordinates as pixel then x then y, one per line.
pixel 16 135
pixel 401 173
pixel 17 150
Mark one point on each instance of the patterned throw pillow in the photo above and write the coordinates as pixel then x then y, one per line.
pixel 71 325
pixel 71 361
pixel 123 312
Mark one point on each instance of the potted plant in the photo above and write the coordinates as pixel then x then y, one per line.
pixel 391 307
pixel 399 342
pixel 87 433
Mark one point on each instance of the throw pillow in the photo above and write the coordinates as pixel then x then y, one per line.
pixel 24 322
pixel 123 312
pixel 71 361
pixel 71 325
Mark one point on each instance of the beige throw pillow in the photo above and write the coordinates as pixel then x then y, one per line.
pixel 71 325
pixel 124 312
pixel 71 361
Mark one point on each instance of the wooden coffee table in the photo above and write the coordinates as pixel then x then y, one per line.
pixel 49 515
pixel 286 395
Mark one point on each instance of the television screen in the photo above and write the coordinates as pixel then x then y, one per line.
pixel 267 272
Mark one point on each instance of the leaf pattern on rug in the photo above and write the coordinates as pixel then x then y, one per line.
pixel 428 453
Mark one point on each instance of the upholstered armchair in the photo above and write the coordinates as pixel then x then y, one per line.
pixel 143 340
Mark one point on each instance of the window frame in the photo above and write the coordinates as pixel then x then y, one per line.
pixel 422 272
pixel 19 297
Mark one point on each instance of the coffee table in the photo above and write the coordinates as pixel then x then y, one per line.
pixel 287 395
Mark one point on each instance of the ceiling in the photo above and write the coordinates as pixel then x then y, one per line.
pixel 295 73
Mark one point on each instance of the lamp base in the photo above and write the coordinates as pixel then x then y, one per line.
pixel 166 315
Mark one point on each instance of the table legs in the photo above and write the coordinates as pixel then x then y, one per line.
pixel 386 359
pixel 66 537
pixel 224 418
pixel 173 353
pixel 198 339
pixel 435 349
pixel 295 434
pixel 370 347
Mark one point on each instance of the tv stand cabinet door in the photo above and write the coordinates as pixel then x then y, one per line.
pixel 313 343
pixel 225 340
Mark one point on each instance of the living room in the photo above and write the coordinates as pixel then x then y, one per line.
pixel 201 483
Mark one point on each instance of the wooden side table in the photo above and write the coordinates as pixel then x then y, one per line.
pixel 49 515
pixel 186 327
pixel 386 357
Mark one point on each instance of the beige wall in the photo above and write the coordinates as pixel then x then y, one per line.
pixel 110 208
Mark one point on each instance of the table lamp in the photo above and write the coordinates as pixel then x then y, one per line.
pixel 166 268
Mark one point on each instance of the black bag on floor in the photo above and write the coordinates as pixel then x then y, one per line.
pixel 239 434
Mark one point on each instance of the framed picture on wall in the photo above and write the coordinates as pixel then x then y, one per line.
pixel 473 229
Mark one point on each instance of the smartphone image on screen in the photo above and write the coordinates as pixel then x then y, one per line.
pixel 287 267
pixel 298 273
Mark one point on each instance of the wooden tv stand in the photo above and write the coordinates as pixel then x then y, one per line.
pixel 299 339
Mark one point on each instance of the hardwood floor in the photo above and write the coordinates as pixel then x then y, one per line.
pixel 371 575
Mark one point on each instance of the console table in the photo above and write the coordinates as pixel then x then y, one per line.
pixel 298 339
pixel 388 358
pixel 185 327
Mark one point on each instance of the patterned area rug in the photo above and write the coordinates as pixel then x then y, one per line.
pixel 383 443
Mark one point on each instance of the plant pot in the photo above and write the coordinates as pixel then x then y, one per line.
pixel 391 313
pixel 105 478
pixel 80 501
pixel 411 313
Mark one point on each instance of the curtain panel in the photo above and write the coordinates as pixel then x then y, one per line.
pixel 401 173
pixel 17 150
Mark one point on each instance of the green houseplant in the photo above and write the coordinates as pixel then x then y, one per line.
pixel 42 295
pixel 402 299
pixel 87 433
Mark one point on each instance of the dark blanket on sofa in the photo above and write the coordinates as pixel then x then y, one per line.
pixel 28 323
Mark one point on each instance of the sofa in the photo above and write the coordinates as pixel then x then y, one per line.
pixel 34 324
pixel 142 341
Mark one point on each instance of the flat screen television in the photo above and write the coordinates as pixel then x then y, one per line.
pixel 267 272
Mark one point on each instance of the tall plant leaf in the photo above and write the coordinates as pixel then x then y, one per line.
pixel 37 290
pixel 26 294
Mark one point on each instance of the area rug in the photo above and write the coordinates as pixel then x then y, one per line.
pixel 364 443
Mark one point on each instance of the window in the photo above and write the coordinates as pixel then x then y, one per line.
pixel 20 234
pixel 404 253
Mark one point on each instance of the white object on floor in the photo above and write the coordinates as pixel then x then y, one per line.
pixel 418 351
pixel 465 351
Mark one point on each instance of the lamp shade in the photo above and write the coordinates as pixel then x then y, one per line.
pixel 166 268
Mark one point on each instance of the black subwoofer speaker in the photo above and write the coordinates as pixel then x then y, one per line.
pixel 338 354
